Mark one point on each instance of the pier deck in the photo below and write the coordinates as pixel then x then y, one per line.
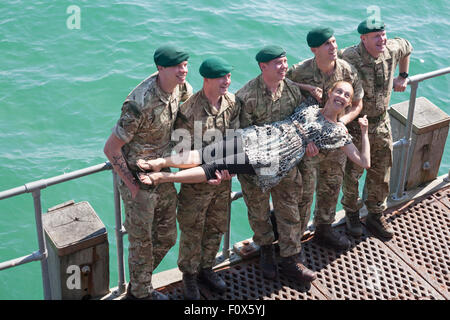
pixel 413 265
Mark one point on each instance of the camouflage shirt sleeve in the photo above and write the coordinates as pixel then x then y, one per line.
pixel 129 121
pixel 358 91
pixel 402 47
pixel 246 110
pixel 184 115
pixel 234 119
pixel 186 91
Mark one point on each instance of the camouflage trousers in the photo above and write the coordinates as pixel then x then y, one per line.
pixel 203 219
pixel 376 187
pixel 150 221
pixel 323 173
pixel 285 197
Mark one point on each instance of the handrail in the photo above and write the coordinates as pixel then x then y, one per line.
pixel 36 186
pixel 405 142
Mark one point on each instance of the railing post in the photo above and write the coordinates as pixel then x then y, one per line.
pixel 405 147
pixel 119 235
pixel 41 242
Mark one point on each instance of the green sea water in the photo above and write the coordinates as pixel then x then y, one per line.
pixel 61 88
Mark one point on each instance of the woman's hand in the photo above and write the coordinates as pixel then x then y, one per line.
pixel 316 92
pixel 364 124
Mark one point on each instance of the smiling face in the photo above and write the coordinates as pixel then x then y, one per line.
pixel 218 86
pixel 340 96
pixel 275 69
pixel 374 42
pixel 327 51
pixel 175 74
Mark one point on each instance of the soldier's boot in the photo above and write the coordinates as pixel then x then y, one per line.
pixel 353 224
pixel 377 224
pixel 326 237
pixel 154 295
pixel 267 262
pixel 293 268
pixel 212 280
pixel 190 286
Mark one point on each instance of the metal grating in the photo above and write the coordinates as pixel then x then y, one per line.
pixel 246 282
pixel 367 271
pixel 443 196
pixel 422 238
pixel 414 265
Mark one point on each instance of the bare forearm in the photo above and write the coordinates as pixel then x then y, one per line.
pixel 403 65
pixel 120 167
pixel 113 152
pixel 365 150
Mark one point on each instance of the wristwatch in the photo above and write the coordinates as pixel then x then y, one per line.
pixel 403 74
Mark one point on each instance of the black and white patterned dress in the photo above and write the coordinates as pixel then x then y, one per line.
pixel 274 149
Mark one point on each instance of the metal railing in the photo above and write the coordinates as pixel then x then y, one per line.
pixel 35 188
pixel 405 142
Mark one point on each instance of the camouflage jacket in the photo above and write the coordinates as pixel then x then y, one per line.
pixel 377 75
pixel 198 116
pixel 259 106
pixel 308 72
pixel 147 119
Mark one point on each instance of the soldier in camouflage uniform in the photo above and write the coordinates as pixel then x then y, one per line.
pixel 376 59
pixel 143 132
pixel 267 98
pixel 203 208
pixel 317 75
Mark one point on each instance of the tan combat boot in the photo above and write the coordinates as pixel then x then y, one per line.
pixel 325 236
pixel 377 224
pixel 293 268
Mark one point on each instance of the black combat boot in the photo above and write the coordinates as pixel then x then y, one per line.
pixel 293 268
pixel 267 262
pixel 212 280
pixel 376 223
pixel 353 223
pixel 154 295
pixel 190 287
pixel 325 236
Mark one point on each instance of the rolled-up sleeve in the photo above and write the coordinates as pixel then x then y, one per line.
pixel 129 121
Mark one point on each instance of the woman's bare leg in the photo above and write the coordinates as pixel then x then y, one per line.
pixel 192 175
pixel 180 160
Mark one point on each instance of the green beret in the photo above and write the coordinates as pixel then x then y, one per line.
pixel 168 56
pixel 269 53
pixel 318 36
pixel 214 67
pixel 372 26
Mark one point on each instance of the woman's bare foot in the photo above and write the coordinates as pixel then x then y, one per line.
pixel 154 165
pixel 150 178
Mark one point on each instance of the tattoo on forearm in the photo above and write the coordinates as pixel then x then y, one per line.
pixel 119 163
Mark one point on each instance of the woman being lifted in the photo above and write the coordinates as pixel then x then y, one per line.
pixel 268 151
